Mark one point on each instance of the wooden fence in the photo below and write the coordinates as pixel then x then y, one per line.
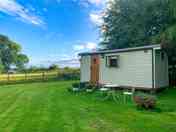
pixel 42 76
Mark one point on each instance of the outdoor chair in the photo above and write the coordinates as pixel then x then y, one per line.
pixel 128 93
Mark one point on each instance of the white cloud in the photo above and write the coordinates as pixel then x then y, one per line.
pixel 78 47
pixel 96 2
pixel 62 60
pixel 88 3
pixel 91 45
pixel 85 47
pixel 68 63
pixel 96 18
pixel 11 7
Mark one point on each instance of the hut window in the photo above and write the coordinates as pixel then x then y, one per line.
pixel 112 61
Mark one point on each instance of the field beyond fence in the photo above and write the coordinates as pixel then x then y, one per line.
pixel 41 76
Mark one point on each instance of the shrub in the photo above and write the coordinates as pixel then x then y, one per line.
pixel 70 89
pixel 76 85
pixel 84 84
pixel 145 101
pixel 92 86
pixel 81 86
pixel 69 76
pixel 89 86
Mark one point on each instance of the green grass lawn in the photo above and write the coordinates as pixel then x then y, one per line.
pixel 48 107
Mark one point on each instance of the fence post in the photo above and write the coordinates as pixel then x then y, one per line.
pixel 43 76
pixel 58 74
pixel 8 77
pixel 25 75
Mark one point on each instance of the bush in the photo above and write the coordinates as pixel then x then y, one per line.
pixel 145 101
pixel 84 84
pixel 70 76
pixel 76 85
pixel 53 67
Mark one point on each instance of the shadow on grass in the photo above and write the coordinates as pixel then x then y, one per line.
pixel 158 109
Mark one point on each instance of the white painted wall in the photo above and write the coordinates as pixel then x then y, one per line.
pixel 85 68
pixel 161 70
pixel 135 69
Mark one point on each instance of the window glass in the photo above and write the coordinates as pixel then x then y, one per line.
pixel 112 61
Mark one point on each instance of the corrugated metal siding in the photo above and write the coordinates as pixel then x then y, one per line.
pixel 161 70
pixel 85 68
pixel 135 69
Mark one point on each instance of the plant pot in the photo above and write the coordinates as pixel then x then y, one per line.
pixel 145 102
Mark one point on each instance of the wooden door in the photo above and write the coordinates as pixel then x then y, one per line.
pixel 95 61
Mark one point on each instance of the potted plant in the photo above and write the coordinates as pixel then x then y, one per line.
pixel 144 100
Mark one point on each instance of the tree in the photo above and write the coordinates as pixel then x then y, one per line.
pixel 168 37
pixel 10 54
pixel 130 23
pixel 54 67
pixel 1 67
pixel 21 60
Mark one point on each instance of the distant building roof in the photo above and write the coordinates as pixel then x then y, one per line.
pixel 122 50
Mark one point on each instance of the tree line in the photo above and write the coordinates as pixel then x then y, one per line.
pixel 131 23
pixel 51 68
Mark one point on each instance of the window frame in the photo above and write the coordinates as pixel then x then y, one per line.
pixel 112 57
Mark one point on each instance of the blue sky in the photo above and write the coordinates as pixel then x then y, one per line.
pixel 52 31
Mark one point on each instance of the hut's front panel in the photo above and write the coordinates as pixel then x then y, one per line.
pixel 85 68
pixel 134 69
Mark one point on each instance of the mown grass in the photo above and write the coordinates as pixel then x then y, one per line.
pixel 49 107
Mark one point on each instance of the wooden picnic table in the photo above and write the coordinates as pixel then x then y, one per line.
pixel 112 86
pixel 111 91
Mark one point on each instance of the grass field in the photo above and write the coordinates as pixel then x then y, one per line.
pixel 49 107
